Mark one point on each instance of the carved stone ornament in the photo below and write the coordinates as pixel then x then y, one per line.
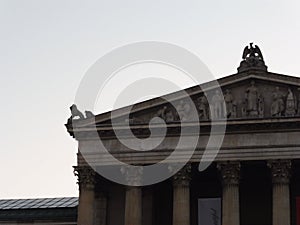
pixel 165 113
pixel 261 106
pixel 290 104
pixel 202 106
pixel 280 171
pixel 230 172
pixel 217 107
pixel 75 113
pixel 162 113
pixel 230 104
pixel 254 99
pixel 133 175
pixel 169 115
pixel 89 114
pixel 277 106
pixel 183 110
pixel 252 59
pixel 86 176
pixel 183 176
pixel 251 100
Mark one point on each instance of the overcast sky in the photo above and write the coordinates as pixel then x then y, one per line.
pixel 47 46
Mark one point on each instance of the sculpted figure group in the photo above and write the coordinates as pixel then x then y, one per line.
pixel 281 103
pixel 284 104
pixel 77 114
pixel 223 106
pixel 252 106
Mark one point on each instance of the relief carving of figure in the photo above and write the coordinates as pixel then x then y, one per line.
pixel 161 113
pixel 217 108
pixel 183 110
pixel 169 115
pixel 251 100
pixel 203 108
pixel 166 114
pixel 290 104
pixel 261 106
pixel 277 106
pixel 244 109
pixel 234 110
pixel 230 105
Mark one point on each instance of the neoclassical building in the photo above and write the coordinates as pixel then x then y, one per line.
pixel 253 180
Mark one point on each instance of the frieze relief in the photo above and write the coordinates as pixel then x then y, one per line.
pixel 244 100
pixel 252 99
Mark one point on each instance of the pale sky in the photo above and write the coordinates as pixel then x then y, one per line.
pixel 47 46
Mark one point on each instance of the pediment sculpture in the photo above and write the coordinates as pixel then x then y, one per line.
pixel 254 100
pixel 246 100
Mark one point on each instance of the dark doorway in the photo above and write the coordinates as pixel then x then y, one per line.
pixel 255 194
pixel 163 203
pixel 206 184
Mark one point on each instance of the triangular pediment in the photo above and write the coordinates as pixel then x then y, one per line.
pixel 247 95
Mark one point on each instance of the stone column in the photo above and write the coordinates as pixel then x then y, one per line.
pixel 100 207
pixel 280 170
pixel 230 172
pixel 181 196
pixel 133 198
pixel 86 181
pixel 147 202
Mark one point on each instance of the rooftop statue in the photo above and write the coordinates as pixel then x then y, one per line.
pixel 89 114
pixel 75 114
pixel 252 59
pixel 252 52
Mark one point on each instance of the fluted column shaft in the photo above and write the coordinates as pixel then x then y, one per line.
pixel 280 170
pixel 100 208
pixel 230 172
pixel 86 181
pixel 133 198
pixel 147 206
pixel 133 206
pixel 181 196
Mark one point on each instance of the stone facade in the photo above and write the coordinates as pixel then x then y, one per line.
pixel 261 112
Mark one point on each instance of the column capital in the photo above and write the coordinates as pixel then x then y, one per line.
pixel 280 170
pixel 230 172
pixel 86 176
pixel 183 176
pixel 133 175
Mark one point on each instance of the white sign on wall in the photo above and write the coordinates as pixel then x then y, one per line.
pixel 209 211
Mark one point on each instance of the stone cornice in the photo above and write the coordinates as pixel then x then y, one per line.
pixel 173 129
